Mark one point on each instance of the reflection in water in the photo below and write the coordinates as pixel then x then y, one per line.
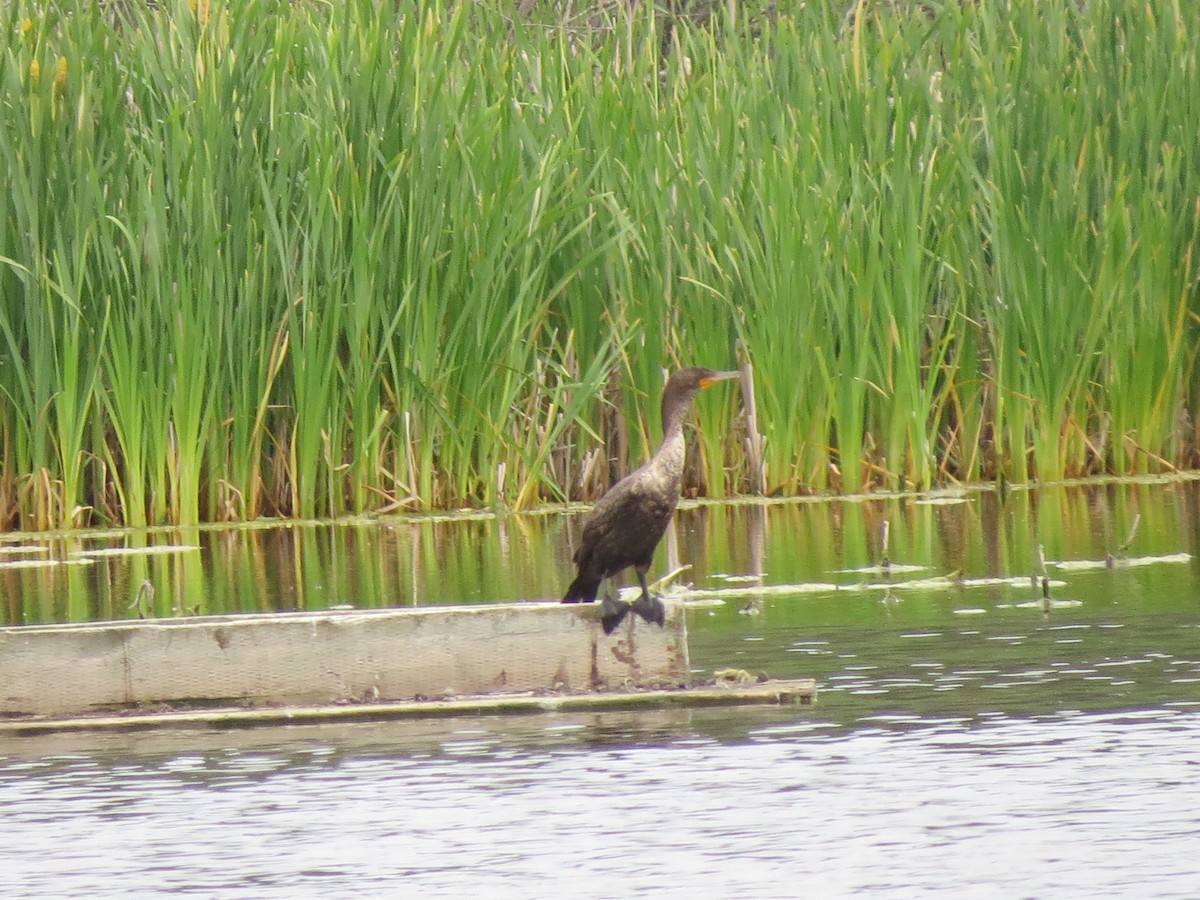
pixel 484 558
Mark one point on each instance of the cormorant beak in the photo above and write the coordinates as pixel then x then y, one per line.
pixel 712 379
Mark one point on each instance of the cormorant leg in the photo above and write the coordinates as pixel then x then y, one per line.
pixel 613 611
pixel 649 608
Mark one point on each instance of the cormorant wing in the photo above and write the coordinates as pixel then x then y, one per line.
pixel 633 514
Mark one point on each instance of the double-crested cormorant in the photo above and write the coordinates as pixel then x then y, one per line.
pixel 627 523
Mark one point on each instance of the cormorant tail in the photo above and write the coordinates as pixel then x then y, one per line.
pixel 582 590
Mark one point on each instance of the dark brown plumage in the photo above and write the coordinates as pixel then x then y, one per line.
pixel 626 524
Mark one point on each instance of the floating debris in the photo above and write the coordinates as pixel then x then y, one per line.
pixel 1014 581
pixel 666 580
pixel 1045 603
pixel 1119 562
pixel 883 569
pixel 23 550
pixel 696 596
pixel 134 551
pixel 767 590
pixel 748 586
pixel 738 676
pixel 44 563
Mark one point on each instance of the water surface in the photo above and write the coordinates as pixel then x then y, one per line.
pixel 1084 804
pixel 966 742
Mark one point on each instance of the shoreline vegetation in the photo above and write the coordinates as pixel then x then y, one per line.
pixel 318 259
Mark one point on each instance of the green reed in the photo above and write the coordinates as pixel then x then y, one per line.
pixel 301 259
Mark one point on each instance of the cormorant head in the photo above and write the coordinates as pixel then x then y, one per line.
pixel 682 388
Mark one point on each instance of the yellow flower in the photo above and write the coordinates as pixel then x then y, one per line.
pixel 60 73
pixel 35 73
pixel 26 26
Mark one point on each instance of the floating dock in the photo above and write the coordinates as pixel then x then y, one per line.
pixel 337 665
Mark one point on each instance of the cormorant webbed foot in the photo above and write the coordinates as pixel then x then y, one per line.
pixel 613 614
pixel 651 609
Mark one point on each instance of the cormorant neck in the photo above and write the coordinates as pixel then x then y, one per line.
pixel 673 416
pixel 668 458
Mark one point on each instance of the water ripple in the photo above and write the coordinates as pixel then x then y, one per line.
pixel 899 805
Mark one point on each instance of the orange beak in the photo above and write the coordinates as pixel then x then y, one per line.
pixel 717 376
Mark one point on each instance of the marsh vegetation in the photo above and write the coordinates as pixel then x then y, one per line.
pixel 302 259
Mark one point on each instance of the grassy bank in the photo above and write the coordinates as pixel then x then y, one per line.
pixel 264 258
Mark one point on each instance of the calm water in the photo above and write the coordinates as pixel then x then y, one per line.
pixel 967 741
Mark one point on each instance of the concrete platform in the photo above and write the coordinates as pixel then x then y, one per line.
pixel 320 659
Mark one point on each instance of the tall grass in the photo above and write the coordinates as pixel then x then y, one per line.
pixel 267 258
